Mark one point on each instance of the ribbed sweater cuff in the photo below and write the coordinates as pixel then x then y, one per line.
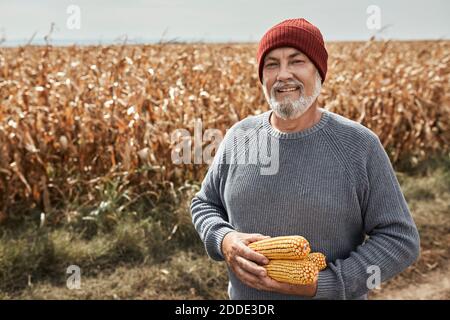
pixel 328 285
pixel 215 246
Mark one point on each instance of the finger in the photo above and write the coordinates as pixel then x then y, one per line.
pixel 269 282
pixel 247 278
pixel 250 266
pixel 251 255
pixel 252 237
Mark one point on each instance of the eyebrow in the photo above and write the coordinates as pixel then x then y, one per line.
pixel 292 55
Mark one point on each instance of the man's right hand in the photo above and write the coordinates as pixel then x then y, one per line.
pixel 243 261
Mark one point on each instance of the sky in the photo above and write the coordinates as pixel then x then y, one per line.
pixel 110 21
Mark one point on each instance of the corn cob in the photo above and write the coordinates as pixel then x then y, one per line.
pixel 285 247
pixel 292 271
pixel 319 259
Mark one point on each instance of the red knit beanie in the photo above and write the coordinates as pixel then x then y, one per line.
pixel 299 34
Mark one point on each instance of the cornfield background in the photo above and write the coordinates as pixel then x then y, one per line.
pixel 85 132
pixel 70 117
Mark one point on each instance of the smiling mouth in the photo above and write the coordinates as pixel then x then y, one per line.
pixel 287 89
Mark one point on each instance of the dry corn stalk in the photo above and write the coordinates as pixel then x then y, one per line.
pixel 293 271
pixel 284 247
pixel 73 114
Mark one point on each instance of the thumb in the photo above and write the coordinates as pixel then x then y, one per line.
pixel 256 237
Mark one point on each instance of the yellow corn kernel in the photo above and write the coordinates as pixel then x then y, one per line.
pixel 293 271
pixel 319 259
pixel 284 247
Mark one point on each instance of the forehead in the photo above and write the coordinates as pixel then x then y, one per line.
pixel 283 52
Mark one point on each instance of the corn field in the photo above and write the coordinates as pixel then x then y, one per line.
pixel 73 118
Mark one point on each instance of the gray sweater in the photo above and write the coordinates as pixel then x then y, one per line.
pixel 332 183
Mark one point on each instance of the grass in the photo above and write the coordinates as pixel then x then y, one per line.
pixel 155 253
pixel 185 275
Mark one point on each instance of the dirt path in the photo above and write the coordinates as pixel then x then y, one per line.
pixel 435 286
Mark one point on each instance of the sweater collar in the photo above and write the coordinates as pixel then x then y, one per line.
pixel 294 135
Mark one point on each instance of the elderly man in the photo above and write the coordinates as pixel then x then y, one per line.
pixel 333 184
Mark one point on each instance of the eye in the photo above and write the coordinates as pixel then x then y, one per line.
pixel 298 61
pixel 270 65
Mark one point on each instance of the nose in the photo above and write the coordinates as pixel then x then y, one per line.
pixel 284 73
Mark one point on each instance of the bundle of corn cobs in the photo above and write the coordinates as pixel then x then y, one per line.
pixel 290 259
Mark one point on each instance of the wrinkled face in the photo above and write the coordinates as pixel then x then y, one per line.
pixel 292 81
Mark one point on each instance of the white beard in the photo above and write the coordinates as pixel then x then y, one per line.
pixel 288 109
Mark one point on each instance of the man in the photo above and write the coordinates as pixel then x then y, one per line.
pixel 333 184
